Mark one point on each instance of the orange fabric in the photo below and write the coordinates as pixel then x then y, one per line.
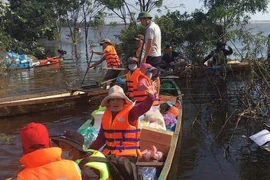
pixel 111 57
pixel 122 139
pixel 131 79
pixel 46 164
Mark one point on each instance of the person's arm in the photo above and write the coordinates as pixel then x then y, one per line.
pixel 208 57
pixel 228 52
pixel 147 50
pixel 144 106
pixel 100 141
pixel 98 53
pixel 98 62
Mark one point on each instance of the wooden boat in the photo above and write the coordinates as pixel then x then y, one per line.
pixel 47 62
pixel 165 170
pixel 44 102
pixel 232 67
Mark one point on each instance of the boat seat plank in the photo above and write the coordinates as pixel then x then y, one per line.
pixel 152 164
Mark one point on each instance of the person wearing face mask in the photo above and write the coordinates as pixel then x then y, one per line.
pixel 132 77
pixel 40 159
pixel 119 130
pixel 72 144
pixel 145 78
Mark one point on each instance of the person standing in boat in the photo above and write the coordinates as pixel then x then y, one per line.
pixel 72 144
pixel 119 130
pixel 40 159
pixel 219 55
pixel 140 51
pixel 152 43
pixel 109 55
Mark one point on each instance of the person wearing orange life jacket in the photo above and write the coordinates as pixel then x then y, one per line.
pixel 140 51
pixel 110 55
pixel 119 129
pixel 147 72
pixel 72 144
pixel 40 160
pixel 132 77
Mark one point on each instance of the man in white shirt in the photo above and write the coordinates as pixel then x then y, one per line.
pixel 152 42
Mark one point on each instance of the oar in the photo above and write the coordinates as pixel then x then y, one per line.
pixel 87 68
pixel 110 80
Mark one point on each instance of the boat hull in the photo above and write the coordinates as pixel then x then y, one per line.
pixel 25 105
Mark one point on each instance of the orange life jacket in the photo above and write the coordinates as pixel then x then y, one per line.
pixel 131 79
pixel 111 57
pixel 122 139
pixel 140 95
pixel 46 164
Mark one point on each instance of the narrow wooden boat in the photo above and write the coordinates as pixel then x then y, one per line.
pixel 167 169
pixel 47 62
pixel 43 102
pixel 233 67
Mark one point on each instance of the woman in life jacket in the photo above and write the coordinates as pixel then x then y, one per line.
pixel 119 130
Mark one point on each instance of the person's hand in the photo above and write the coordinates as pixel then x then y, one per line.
pixel 92 66
pixel 151 89
pixel 93 51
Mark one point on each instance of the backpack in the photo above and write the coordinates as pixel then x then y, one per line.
pixel 121 168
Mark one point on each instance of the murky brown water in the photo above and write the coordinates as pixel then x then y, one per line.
pixel 200 156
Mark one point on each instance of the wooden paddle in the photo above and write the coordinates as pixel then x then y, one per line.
pixel 110 80
pixel 87 68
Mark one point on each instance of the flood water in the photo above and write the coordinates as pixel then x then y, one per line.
pixel 201 155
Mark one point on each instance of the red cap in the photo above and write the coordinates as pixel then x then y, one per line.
pixel 34 134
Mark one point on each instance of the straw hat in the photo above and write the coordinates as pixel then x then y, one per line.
pixel 71 137
pixel 115 92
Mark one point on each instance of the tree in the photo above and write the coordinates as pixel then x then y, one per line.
pixel 231 12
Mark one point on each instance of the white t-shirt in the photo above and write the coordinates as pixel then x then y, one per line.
pixel 153 32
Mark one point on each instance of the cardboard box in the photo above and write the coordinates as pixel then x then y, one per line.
pixel 155 137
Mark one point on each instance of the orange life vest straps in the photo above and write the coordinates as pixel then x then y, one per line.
pixel 132 81
pixel 112 60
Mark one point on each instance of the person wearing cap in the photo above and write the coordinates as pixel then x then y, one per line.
pixel 219 55
pixel 140 51
pixel 40 159
pixel 170 58
pixel 152 42
pixel 119 130
pixel 109 55
pixel 72 144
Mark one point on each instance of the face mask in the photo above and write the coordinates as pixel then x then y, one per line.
pixel 149 74
pixel 65 155
pixel 132 67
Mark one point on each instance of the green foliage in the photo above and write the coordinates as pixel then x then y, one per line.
pixel 5 139
pixel 231 12
pixel 193 33
pixel 127 47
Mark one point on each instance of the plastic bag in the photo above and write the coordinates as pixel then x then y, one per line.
pixel 149 173
pixel 89 133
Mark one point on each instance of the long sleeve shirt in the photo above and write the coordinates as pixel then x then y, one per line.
pixel 134 114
